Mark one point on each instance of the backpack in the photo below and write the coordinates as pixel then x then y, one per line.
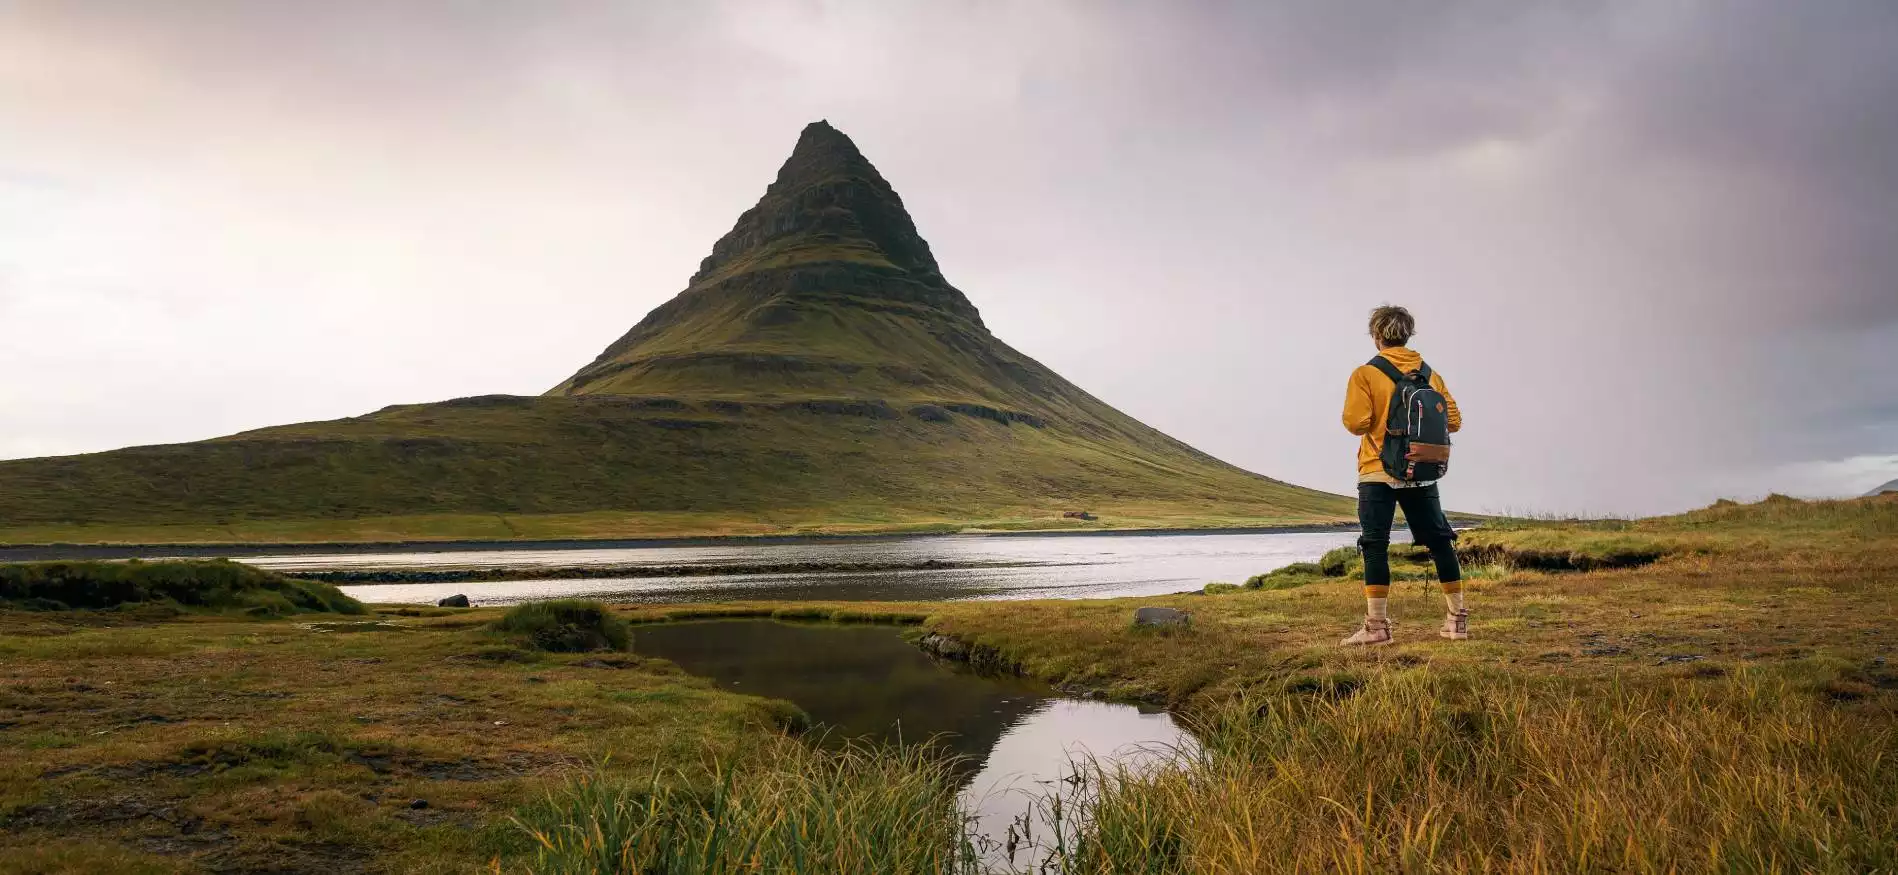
pixel 1417 432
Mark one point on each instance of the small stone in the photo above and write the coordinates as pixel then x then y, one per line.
pixel 453 601
pixel 418 805
pixel 1161 617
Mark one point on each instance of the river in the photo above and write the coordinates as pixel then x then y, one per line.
pixel 1005 567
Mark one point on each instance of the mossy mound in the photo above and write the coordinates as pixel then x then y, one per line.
pixel 216 585
pixel 1408 562
pixel 566 626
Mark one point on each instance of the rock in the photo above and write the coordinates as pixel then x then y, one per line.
pixel 1161 617
pixel 418 804
pixel 453 601
pixel 944 646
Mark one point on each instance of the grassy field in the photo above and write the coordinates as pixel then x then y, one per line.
pixel 612 525
pixel 605 467
pixel 1729 705
pixel 232 744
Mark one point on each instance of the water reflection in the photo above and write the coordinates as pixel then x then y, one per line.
pixel 1066 566
pixel 854 681
pixel 867 682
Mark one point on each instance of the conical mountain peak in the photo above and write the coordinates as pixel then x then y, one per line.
pixel 822 151
pixel 828 203
pixel 824 280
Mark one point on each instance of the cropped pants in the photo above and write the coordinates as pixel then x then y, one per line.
pixel 1423 509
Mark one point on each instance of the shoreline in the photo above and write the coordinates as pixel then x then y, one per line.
pixel 64 552
pixel 517 573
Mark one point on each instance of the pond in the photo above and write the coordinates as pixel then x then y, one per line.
pixel 970 567
pixel 868 682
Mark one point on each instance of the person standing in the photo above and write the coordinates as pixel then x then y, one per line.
pixel 1403 414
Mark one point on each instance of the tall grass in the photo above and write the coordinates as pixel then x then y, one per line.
pixel 565 626
pixel 798 811
pixel 1423 772
pixel 1413 771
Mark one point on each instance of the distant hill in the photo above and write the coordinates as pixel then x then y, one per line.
pixel 1889 487
pixel 818 373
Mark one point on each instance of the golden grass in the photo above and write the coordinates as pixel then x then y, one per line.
pixel 1423 771
pixel 793 809
pixel 1729 707
pixel 219 743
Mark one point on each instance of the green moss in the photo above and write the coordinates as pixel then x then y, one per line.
pixel 209 585
pixel 1340 562
pixel 566 626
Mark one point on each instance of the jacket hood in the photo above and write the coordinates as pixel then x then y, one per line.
pixel 1405 358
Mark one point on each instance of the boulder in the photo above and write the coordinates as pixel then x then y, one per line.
pixel 1161 617
pixel 453 601
pixel 944 646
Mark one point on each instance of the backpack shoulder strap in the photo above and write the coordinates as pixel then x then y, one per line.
pixel 1424 369
pixel 1389 370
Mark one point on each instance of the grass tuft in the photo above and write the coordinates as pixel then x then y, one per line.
pixel 566 626
pixel 1340 562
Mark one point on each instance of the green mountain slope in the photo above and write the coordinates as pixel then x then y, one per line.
pixel 818 374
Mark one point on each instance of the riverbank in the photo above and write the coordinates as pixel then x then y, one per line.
pixel 1729 704
pixel 496 574
pixel 629 528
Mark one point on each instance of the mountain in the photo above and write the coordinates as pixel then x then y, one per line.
pixel 818 373
pixel 1889 487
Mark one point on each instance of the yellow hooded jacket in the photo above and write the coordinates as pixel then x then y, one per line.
pixel 1367 407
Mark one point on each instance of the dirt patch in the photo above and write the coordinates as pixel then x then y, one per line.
pixel 285 858
pixel 609 663
pixel 498 655
pixel 1334 688
pixel 1530 559
pixel 405 765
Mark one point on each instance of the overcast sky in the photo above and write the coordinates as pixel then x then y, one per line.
pixel 1652 246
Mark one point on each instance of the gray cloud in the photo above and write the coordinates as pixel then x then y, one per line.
pixel 1680 214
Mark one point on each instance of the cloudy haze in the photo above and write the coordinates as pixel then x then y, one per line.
pixel 1653 247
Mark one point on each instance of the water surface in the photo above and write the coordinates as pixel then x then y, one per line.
pixel 1019 737
pixel 1051 566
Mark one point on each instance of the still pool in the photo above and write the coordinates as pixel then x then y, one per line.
pixel 1019 738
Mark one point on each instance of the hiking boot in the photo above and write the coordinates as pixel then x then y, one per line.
pixel 1456 625
pixel 1374 633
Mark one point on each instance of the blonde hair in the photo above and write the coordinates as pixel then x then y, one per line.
pixel 1392 326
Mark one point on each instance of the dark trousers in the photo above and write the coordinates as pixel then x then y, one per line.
pixel 1423 509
